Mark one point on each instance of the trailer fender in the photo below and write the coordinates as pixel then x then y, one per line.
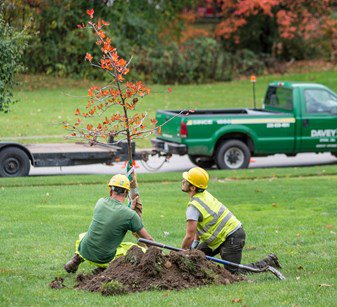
pixel 4 145
pixel 15 160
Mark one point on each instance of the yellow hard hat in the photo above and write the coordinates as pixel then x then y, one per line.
pixel 197 176
pixel 119 181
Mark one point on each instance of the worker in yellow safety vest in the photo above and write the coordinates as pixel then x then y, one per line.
pixel 211 227
pixel 102 243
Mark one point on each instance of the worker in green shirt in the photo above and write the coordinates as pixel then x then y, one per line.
pixel 110 223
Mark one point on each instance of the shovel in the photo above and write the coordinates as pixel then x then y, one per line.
pixel 268 268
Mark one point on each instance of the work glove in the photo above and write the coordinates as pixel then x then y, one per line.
pixel 194 244
pixel 137 206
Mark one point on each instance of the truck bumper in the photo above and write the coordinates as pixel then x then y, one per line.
pixel 169 147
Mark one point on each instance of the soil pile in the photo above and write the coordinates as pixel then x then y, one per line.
pixel 155 271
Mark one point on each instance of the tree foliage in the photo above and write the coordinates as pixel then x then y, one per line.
pixel 160 35
pixel 278 27
pixel 12 46
pixel 136 24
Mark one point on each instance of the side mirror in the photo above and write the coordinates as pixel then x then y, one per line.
pixel 333 110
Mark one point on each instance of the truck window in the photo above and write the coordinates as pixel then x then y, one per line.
pixel 319 101
pixel 279 98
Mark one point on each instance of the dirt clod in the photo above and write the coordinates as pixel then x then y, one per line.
pixel 155 271
pixel 57 283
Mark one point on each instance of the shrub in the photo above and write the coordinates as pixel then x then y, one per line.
pixel 12 46
pixel 196 61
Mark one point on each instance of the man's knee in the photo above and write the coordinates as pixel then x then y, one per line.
pixel 205 249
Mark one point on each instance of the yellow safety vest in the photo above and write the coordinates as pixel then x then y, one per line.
pixel 217 221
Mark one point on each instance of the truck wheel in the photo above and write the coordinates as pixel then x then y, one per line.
pixel 204 162
pixel 14 162
pixel 232 154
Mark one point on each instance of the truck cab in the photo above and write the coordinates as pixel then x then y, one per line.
pixel 315 112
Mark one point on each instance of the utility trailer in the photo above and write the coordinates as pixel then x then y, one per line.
pixel 16 159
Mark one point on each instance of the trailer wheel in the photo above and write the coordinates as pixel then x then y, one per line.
pixel 232 154
pixel 204 162
pixel 14 162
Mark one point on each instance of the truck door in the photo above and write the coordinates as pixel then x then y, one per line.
pixel 319 121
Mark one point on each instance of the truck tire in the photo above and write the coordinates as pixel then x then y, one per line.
pixel 204 162
pixel 232 154
pixel 14 162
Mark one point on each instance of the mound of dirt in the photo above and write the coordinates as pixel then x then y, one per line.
pixel 155 271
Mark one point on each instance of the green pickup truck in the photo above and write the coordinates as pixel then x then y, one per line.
pixel 295 118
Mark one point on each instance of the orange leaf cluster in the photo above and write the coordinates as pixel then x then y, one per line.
pixel 88 57
pixel 91 13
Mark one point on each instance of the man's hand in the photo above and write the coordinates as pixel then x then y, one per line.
pixel 191 230
pixel 137 205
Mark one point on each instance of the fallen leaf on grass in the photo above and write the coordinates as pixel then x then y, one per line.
pixel 167 293
pixel 250 247
pixel 329 226
pixel 325 285
pixel 274 204
pixel 236 300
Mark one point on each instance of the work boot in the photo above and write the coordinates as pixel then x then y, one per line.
pixel 270 260
pixel 273 261
pixel 72 265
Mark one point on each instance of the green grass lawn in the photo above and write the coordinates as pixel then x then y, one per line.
pixel 46 102
pixel 291 212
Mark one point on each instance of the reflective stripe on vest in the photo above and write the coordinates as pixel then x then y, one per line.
pixel 219 228
pixel 212 213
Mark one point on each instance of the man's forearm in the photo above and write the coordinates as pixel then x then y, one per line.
pixel 144 234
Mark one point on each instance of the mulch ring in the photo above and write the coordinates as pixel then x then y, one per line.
pixel 155 271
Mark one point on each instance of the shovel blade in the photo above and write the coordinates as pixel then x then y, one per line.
pixel 277 273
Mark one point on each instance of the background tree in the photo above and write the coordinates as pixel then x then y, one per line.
pixel 12 46
pixel 283 28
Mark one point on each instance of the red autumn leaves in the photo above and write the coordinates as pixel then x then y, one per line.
pixel 301 18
